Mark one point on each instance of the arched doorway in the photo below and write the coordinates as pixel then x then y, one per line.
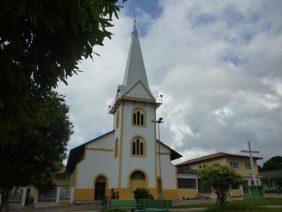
pixel 137 180
pixel 100 187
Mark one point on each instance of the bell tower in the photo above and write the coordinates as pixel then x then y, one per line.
pixel 134 109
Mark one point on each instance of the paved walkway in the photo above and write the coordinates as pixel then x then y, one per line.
pixel 78 208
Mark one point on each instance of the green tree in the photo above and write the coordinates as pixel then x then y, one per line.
pixel 273 163
pixel 41 43
pixel 37 147
pixel 220 179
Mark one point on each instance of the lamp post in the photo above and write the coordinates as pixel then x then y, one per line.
pixel 158 122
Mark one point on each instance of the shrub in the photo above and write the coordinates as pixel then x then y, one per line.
pixel 220 179
pixel 142 193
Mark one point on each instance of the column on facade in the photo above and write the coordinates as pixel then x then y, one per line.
pixel 58 194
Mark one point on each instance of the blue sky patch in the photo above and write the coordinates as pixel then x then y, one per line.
pixel 233 58
pixel 232 16
pixel 204 19
pixel 152 8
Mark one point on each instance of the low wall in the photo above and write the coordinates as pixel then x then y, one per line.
pixel 186 193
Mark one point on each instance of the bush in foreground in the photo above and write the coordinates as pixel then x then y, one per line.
pixel 220 179
pixel 142 193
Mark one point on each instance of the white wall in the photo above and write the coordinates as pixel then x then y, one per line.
pixel 169 174
pixel 146 163
pixel 97 162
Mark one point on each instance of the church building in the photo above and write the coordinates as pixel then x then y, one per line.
pixel 127 157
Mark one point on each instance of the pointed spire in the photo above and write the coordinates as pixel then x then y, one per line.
pixel 135 69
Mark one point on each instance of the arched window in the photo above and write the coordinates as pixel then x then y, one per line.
pixel 116 148
pixel 139 117
pixel 138 147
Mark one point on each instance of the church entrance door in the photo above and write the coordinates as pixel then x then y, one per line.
pixel 137 180
pixel 100 188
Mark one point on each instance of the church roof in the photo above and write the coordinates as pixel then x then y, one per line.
pixel 135 68
pixel 173 154
pixel 213 156
pixel 77 154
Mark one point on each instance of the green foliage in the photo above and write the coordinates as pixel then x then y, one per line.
pixel 274 163
pixel 142 193
pixel 41 43
pixel 220 179
pixel 38 144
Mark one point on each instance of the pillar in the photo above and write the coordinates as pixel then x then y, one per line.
pixel 241 190
pixel 23 196
pixel 197 186
pixel 58 194
pixel 72 195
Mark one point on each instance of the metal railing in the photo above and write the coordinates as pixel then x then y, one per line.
pixel 23 195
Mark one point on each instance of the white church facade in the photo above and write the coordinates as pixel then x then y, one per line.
pixel 127 157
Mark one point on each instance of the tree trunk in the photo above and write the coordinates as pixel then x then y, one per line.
pixel 221 199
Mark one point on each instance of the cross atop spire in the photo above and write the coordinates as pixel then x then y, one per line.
pixel 134 21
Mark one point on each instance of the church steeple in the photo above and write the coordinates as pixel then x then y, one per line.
pixel 135 69
pixel 135 83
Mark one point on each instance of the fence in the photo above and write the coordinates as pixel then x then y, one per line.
pixel 16 196
pixel 65 193
pixel 56 195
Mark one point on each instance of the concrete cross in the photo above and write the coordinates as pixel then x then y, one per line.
pixel 250 151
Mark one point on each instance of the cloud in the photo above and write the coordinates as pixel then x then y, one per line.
pixel 218 65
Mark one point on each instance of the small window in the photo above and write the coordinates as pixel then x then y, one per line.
pixel 248 165
pixel 138 117
pixel 234 164
pixel 235 186
pixel 116 148
pixel 138 147
pixel 186 183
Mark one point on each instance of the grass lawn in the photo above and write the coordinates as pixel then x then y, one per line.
pixel 239 205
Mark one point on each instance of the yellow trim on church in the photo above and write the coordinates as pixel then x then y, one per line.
pixel 120 146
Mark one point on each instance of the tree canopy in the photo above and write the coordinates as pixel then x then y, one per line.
pixel 274 163
pixel 41 43
pixel 38 146
pixel 220 179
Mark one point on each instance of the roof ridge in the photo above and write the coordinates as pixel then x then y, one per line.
pixel 87 142
pixel 212 156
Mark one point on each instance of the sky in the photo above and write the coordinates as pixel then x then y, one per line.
pixel 217 63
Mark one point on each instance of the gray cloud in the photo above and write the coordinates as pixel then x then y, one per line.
pixel 218 64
